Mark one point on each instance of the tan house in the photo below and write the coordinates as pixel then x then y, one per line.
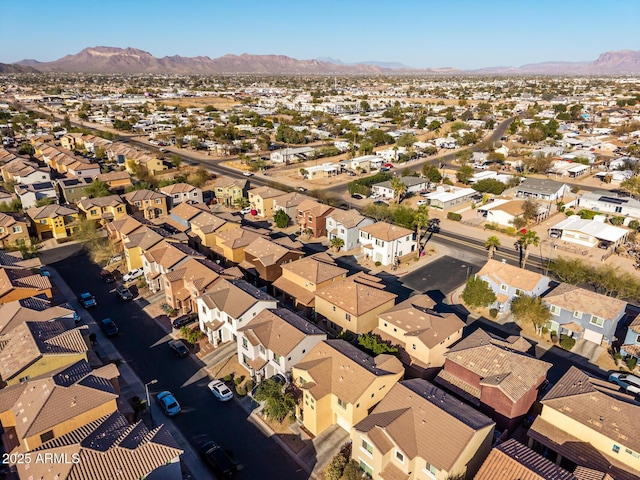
pixel 422 335
pixel 229 192
pixel 14 230
pixel 32 309
pixel 53 221
pixel 587 422
pixel 118 181
pixel 204 227
pixel 187 282
pixel 300 280
pixel 103 209
pixel 312 218
pixel 118 230
pixel 341 384
pixel 19 283
pixel 137 243
pixel 264 258
pixel 39 410
pixel 178 193
pixel 148 163
pixel 289 203
pixel 165 257
pixel 261 200
pixel 149 204
pixel 419 432
pixel 36 348
pixel 231 243
pixel 353 304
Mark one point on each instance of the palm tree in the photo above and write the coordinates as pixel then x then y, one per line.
pixel 337 243
pixel 492 244
pixel 421 221
pixel 399 188
pixel 527 239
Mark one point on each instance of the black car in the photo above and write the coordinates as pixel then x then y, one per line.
pixel 124 293
pixel 357 196
pixel 218 460
pixel 109 327
pixel 179 348
pixel 87 300
pixel 107 276
pixel 185 320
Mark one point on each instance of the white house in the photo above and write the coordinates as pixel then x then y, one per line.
pixel 229 305
pixel 608 202
pixel 181 192
pixel 288 155
pixel 346 224
pixel 367 162
pixel 414 185
pixel 275 340
pixel 386 243
pixel 322 171
pixel 391 154
pixel 450 197
pixel 588 233
pixel 29 194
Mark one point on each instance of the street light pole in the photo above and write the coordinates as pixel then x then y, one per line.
pixel 146 389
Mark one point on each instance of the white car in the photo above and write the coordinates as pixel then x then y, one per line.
pixel 630 383
pixel 247 174
pixel 132 275
pixel 220 390
pixel 245 211
pixel 422 202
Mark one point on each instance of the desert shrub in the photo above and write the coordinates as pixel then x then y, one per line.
pixel 454 216
pixel 567 342
pixel 632 362
pixel 227 378
pixel 545 330
pixel 377 264
pixel 238 380
pixel 493 312
pixel 241 390
pixel 634 224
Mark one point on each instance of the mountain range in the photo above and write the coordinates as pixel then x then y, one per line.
pixel 132 60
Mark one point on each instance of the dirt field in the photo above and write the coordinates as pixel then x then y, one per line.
pixel 220 103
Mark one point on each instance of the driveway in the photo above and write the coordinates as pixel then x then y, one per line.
pixel 587 349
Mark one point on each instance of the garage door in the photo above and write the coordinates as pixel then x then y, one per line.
pixel 343 422
pixel 592 336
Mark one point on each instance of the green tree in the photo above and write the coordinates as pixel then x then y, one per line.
pixel 26 149
pixel 421 221
pixel 281 219
pixel 278 403
pixel 464 174
pixel 198 178
pixel 176 161
pixel 477 293
pixel 406 140
pixel 434 125
pixel 530 209
pixel 530 309
pixel 525 240
pixel 374 345
pixel 489 185
pixel 432 173
pixel 398 187
pixel 631 186
pixel 44 201
pixel 100 153
pixel 492 244
pixel 337 243
pixel 97 188
pixel 463 156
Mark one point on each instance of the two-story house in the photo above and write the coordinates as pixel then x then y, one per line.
pixel 141 240
pixel 103 209
pixel 147 203
pixel 53 221
pixel 300 280
pixel 346 225
pixel 508 281
pixel 25 172
pixel 386 243
pixel 21 283
pixel 587 422
pixel 30 194
pixel 261 200
pixel 289 203
pixel 419 432
pixel 414 185
pixel 312 218
pixel 163 258
pixel 264 257
pixel 229 305
pixel 631 344
pixel 205 226
pixel 229 192
pixel 422 335
pixel 584 314
pixel 33 309
pixel 230 243
pixel 495 375
pixel 14 230
pixel 274 341
pixel 183 284
pixel 118 181
pixel 72 190
pixel 341 384
pixel 181 192
pixel 353 304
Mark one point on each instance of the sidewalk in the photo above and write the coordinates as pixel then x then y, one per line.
pixel 132 385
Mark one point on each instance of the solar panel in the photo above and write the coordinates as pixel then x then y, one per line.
pixel 617 201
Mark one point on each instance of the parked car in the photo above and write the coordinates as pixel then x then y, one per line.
pixel 218 460
pixel 422 202
pixel 109 327
pixel 350 173
pixel 380 202
pixel 169 404
pixel 107 276
pixel 385 169
pixel 245 211
pixel 630 383
pixel 301 189
pixel 185 320
pixel 388 165
pixel 132 275
pixel 247 174
pixel 87 300
pixel 220 390
pixel 124 293
pixel 179 348
pixel 357 196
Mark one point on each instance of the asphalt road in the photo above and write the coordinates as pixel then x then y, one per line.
pixel 142 344
pixel 444 275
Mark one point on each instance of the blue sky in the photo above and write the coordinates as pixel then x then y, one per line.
pixel 420 33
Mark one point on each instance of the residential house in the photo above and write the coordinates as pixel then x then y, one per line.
pixel 262 200
pixel 288 155
pixel 386 243
pixel 165 257
pixel 420 432
pixel 107 448
pixel 103 209
pixel 588 233
pixel 512 460
pixel 300 280
pixel 33 309
pixel 229 192
pixel 140 241
pixel 30 194
pixel 150 204
pixel 229 305
pixel 353 304
pixel 53 221
pixel 289 203
pixel 118 181
pixel 36 348
pixel 72 190
pixel 274 341
pixel 414 185
pixel 118 230
pixel 312 218
pixel 185 283
pixel 148 163
pixel 346 225
pixel 608 203
pixel 542 189
pixel 18 283
pixel 504 212
pixel 631 344
pixel 421 334
pixel 80 169
pixel 587 422
pixel 205 226
pixel 263 259
pixel 48 407
pixel 24 172
pixel 584 314
pixel 181 192
pixel 324 170
pixel 232 243
pixel 496 375
pixel 446 197
pixel 365 163
pixel 508 281
pixel 14 230
pixel 341 384
pixel 5 197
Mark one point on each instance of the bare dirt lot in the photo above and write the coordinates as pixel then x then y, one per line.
pixel 220 103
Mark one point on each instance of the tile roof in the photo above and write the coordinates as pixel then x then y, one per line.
pixel 50 211
pixel 315 269
pixel 339 368
pixel 267 252
pixel 168 254
pixel 289 200
pixel 354 296
pixel 236 237
pixel 233 297
pixel 34 309
pixel 424 421
pixel 571 298
pixel 347 218
pixel 315 208
pixel 108 201
pixel 266 192
pixel 517 277
pixel 18 278
pixel 177 188
pixel 635 324
pixel 200 272
pixel 140 195
pixel 386 231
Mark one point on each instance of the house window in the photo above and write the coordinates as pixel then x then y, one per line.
pixel 399 456
pixel 504 287
pixel 616 449
pixel 367 447
pixel 302 381
pixel 577 314
pixel 158 201
pixel 519 292
pixel 597 321
pixel 44 221
pixel 137 203
pixel 334 308
pixel 430 468
pixel 119 209
pixel 276 358
pixel 414 346
pixel 245 344
pixel 347 317
pixel 379 243
pixel 24 379
pixel 46 436
pixel 366 468
pixel 554 310
pixel 17 229
pixel 262 350
pixel 342 404
pixel 93 212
